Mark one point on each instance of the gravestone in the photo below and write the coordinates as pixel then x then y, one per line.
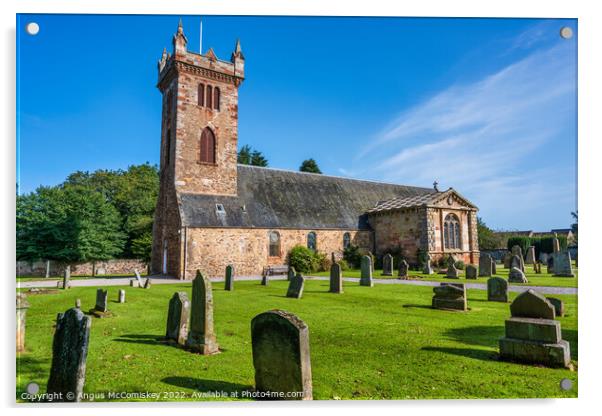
pixel 67 277
pixel 532 333
pixel 69 354
pixel 336 278
pixel 264 278
pixel 22 306
pixel 121 297
pixel 147 284
pixel 517 261
pixel 558 305
pixel 281 358
pixel 517 276
pixel 555 244
pixel 537 267
pixel 78 303
pixel 403 269
pixel 543 258
pixel 388 265
pixel 177 318
pixel 493 267
pixel 507 259
pixel 452 272
pixel 471 271
pixel 134 283
pixel 295 287
pixel 366 272
pixel 563 267
pixel 428 268
pixel 550 264
pixel 138 279
pixel 530 255
pixel 450 296
pixel 497 290
pixel 101 300
pixel 485 265
pixel 291 273
pixel 201 335
pixel 229 282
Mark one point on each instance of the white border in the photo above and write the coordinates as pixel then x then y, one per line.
pixel 590 111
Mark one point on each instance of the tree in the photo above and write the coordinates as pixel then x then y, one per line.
pixel 488 240
pixel 250 156
pixel 309 165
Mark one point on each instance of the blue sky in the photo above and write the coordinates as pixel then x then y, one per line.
pixel 487 106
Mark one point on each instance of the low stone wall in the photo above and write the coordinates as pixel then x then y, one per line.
pixel 107 268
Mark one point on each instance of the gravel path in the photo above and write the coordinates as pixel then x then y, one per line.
pixel 125 281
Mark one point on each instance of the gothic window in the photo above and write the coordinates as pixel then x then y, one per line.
pixel 451 232
pixel 201 94
pixel 216 98
pixel 311 241
pixel 209 96
pixel 274 239
pixel 346 240
pixel 207 146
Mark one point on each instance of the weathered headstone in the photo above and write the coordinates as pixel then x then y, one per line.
pixel 67 277
pixel 22 306
pixel 264 278
pixel 563 267
pixel 280 342
pixel 493 267
pixel 530 255
pixel 291 273
pixel 555 244
pixel 134 283
pixel 550 264
pixel 177 318
pixel 452 271
pixel 485 263
pixel 387 265
pixel 537 267
pixel 558 305
pixel 450 296
pixel 229 282
pixel 517 276
pixel 532 334
pixel 147 283
pixel 543 258
pixel 69 354
pixel 507 259
pixel 295 287
pixel 428 268
pixel 497 290
pixel 121 297
pixel 404 267
pixel 471 271
pixel 336 278
pixel 101 300
pixel 366 272
pixel 138 279
pixel 201 336
pixel 517 261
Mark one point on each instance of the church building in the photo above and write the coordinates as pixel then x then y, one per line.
pixel 212 212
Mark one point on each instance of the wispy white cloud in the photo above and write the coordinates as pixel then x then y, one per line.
pixel 486 138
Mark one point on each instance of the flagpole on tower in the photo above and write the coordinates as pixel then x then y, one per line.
pixel 201 38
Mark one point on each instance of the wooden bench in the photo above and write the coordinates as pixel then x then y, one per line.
pixel 275 269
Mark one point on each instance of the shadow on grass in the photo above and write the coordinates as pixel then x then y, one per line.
pixel 466 352
pixel 203 385
pixel 409 305
pixel 146 339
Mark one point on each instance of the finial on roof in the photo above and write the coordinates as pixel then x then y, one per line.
pixel 180 26
pixel 237 54
pixel 435 185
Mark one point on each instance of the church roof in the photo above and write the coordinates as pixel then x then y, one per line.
pixel 272 198
pixel 427 199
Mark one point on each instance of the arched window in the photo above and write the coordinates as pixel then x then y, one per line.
pixel 311 241
pixel 216 98
pixel 207 146
pixel 346 240
pixel 274 238
pixel 201 94
pixel 168 147
pixel 451 232
pixel 209 96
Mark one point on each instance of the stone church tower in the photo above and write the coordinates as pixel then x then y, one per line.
pixel 199 135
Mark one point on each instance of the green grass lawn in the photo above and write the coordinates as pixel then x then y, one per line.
pixel 383 342
pixel 543 279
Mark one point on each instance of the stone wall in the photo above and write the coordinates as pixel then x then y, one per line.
pixel 211 249
pixel 103 268
pixel 399 229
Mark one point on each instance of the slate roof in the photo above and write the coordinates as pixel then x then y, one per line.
pixel 416 201
pixel 272 198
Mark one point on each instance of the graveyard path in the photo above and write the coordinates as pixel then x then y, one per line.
pixel 125 281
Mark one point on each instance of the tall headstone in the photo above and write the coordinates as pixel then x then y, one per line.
pixel 507 259
pixel 336 278
pixel 517 262
pixel 22 306
pixel 69 354
pixel 280 342
pixel 450 296
pixel 177 318
pixel 517 276
pixel 201 336
pixel 295 287
pixel 229 282
pixel 493 267
pixel 121 296
pixel 563 266
pixel 555 244
pixel 101 300
pixel 471 271
pixel 485 263
pixel 403 269
pixel 67 277
pixel 366 272
pixel 532 333
pixel 530 255
pixel 387 265
pixel 497 289
pixel 428 268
